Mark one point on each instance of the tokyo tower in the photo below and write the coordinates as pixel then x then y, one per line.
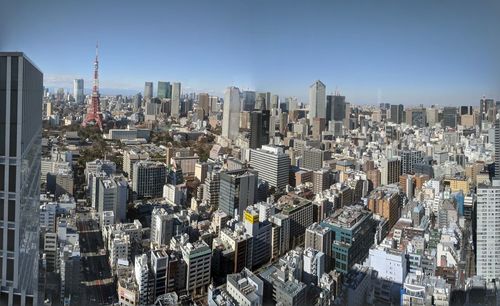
pixel 94 108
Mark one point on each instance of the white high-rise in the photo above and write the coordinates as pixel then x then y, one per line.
pixel 317 100
pixel 78 91
pixel 231 113
pixel 488 231
pixel 175 107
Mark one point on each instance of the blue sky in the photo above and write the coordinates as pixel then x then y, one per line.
pixel 410 52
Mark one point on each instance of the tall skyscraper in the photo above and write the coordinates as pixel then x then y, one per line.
pixel 248 100
pixel 317 100
pixel 231 113
pixel 148 91
pixel 175 106
pixel 488 231
pixel 78 91
pixel 259 131
pixel 203 102
pixel 335 107
pixel 450 117
pixel 275 102
pixel 21 87
pixel 397 113
pixel 164 90
pixel 497 148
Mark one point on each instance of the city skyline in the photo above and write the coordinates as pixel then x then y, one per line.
pixel 425 53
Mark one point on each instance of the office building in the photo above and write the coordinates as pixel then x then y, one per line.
pixel 164 90
pixel 112 195
pixel 272 164
pixel 261 231
pixel 175 104
pixel 149 178
pixel 390 170
pixel 77 91
pixel 335 107
pixel 231 113
pixel 148 91
pixel 238 190
pixel 397 113
pixel 198 259
pixel 248 101
pixel 488 231
pixel 313 158
pixel 385 202
pixel 259 128
pixel 409 158
pixel 317 100
pixel 314 266
pixel 203 102
pixel 320 238
pixel 353 229
pixel 162 227
pixel 21 91
pixel 450 117
pixel 497 148
pixel 300 215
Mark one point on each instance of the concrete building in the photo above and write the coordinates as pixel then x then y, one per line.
pixel 149 178
pixel 320 238
pixel 148 91
pixel 314 266
pixel 317 100
pixel 272 164
pixel 237 191
pixel 231 113
pixel 409 158
pixel 390 264
pixel 162 227
pixel 385 202
pixel 390 171
pixel 175 106
pixel 282 287
pixel 488 231
pixel 354 229
pixel 245 288
pixel 198 259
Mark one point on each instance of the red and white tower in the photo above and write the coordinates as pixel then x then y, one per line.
pixel 94 108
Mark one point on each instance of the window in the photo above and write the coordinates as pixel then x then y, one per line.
pixel 11 213
pixel 12 178
pixel 11 235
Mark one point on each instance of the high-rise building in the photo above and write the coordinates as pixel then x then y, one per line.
pixel 238 189
pixel 149 178
pixel 488 231
pixel 497 148
pixel 148 91
pixel 409 158
pixel 162 227
pixel 231 113
pixel 275 102
pixel 248 100
pixel 390 170
pixel 203 100
pixel 198 258
pixel 397 113
pixel 175 106
pixel 317 100
pixel 450 117
pixel 21 90
pixel 272 164
pixel 335 107
pixel 385 202
pixel 78 91
pixel 164 90
pixel 259 131
pixel 312 158
pixel 111 195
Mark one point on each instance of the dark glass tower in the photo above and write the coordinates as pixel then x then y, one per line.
pixel 21 91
